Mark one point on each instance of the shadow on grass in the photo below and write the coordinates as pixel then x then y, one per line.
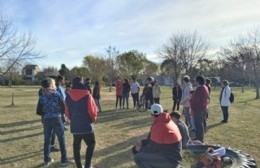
pixel 21 130
pixel 23 156
pixel 246 101
pixel 118 154
pixel 21 137
pixel 213 125
pixel 112 115
pixel 19 123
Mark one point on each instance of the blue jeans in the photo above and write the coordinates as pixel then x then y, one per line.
pixel 135 97
pixel 125 97
pixel 186 113
pixel 90 141
pixel 199 117
pixel 50 126
pixel 225 113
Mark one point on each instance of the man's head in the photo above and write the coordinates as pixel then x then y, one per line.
pixel 156 110
pixel 60 80
pixel 48 83
pixel 200 80
pixel 175 116
pixel 77 83
pixel 225 83
pixel 186 79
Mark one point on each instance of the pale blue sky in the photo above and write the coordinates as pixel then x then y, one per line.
pixel 68 30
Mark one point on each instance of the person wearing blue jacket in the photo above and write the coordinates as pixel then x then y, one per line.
pixel 52 106
pixel 81 110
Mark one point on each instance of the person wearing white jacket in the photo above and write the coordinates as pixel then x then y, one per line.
pixel 224 100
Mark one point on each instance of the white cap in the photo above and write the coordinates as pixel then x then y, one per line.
pixel 156 109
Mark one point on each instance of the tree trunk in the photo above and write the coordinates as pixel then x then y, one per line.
pixel 257 91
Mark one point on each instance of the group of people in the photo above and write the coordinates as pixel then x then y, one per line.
pixel 80 109
pixel 151 93
pixel 168 134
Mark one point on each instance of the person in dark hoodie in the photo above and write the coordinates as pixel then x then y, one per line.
pixel 81 110
pixel 164 145
pixel 52 106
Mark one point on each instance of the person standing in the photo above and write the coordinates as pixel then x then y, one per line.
pixel 224 100
pixel 60 82
pixel 176 96
pixel 87 85
pixel 125 93
pixel 119 92
pixel 208 82
pixel 52 106
pixel 164 145
pixel 185 99
pixel 96 95
pixel 135 89
pixel 156 92
pixel 81 110
pixel 199 105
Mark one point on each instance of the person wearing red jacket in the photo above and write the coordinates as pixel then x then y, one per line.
pixel 119 92
pixel 199 104
pixel 163 149
pixel 81 110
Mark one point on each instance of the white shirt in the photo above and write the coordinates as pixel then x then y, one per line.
pixel 135 87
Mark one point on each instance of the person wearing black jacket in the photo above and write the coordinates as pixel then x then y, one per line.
pixel 125 95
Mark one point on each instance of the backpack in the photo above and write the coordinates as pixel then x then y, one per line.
pixel 231 98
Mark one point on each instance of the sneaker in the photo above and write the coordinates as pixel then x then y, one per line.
pixel 54 149
pixel 66 163
pixel 47 164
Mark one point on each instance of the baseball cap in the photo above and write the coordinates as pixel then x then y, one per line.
pixel 156 109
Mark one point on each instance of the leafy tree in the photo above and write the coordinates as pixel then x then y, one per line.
pixel 15 49
pixel 132 63
pixel 64 71
pixel 150 68
pixel 79 71
pixel 95 66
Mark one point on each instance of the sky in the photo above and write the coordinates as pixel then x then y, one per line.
pixel 68 30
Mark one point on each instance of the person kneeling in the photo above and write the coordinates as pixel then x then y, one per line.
pixel 163 149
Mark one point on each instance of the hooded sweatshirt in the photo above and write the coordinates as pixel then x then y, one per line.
pixel 165 138
pixel 81 110
pixel 50 104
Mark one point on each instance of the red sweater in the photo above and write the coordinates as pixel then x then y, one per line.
pixel 164 130
pixel 199 99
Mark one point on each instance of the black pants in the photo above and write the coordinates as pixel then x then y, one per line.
pixel 118 99
pixel 135 97
pixel 89 139
pixel 176 103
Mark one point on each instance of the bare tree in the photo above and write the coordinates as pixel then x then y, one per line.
pixel 15 49
pixel 111 64
pixel 182 52
pixel 244 53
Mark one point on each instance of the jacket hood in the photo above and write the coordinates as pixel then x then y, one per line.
pixel 77 94
pixel 163 117
pixel 48 91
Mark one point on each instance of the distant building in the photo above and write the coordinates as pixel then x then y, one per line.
pixel 30 73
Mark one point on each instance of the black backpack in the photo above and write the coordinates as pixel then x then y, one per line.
pixel 231 98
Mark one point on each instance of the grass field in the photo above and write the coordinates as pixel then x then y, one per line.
pixel 116 130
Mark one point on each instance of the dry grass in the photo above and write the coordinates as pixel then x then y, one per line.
pixel 22 132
